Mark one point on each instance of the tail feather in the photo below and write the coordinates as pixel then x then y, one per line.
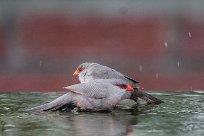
pixel 40 107
pixel 145 96
pixel 55 104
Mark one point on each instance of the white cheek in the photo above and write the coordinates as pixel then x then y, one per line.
pixel 82 77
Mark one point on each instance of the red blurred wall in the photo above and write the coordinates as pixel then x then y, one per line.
pixel 42 49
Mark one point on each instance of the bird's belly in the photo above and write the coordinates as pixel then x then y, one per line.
pixel 82 102
pixel 103 104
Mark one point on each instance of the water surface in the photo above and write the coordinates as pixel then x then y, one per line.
pixel 181 114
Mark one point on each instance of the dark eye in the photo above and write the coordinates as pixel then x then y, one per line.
pixel 80 69
pixel 123 86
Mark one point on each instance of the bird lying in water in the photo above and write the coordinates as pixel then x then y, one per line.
pixel 96 95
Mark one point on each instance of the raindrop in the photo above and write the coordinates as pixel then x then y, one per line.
pixel 140 68
pixel 191 88
pixel 157 75
pixel 40 62
pixel 166 44
pixel 189 34
pixel 178 64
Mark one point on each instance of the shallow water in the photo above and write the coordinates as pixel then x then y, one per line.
pixel 181 114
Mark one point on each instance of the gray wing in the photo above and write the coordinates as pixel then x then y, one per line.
pixel 92 89
pixel 145 96
pixel 131 79
pixel 104 72
pixel 55 104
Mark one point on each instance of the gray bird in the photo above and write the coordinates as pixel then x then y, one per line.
pixel 96 95
pixel 91 71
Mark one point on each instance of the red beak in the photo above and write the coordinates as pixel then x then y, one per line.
pixel 76 73
pixel 129 88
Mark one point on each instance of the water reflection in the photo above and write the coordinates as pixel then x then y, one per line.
pixel 181 114
pixel 104 124
pixel 15 121
pixel 83 124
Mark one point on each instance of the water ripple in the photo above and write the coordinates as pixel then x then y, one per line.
pixel 182 113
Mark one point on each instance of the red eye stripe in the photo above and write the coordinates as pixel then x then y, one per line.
pixel 121 86
pixel 80 69
pixel 126 87
pixel 118 85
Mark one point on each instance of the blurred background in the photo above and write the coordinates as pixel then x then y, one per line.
pixel 159 43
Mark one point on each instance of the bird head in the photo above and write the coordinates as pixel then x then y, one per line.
pixel 82 67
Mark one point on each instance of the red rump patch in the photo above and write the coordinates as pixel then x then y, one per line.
pixel 126 87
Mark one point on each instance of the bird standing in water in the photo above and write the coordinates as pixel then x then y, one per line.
pixel 91 71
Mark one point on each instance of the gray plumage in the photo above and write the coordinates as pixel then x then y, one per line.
pixel 98 95
pixel 55 104
pixel 101 94
pixel 96 90
pixel 92 71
